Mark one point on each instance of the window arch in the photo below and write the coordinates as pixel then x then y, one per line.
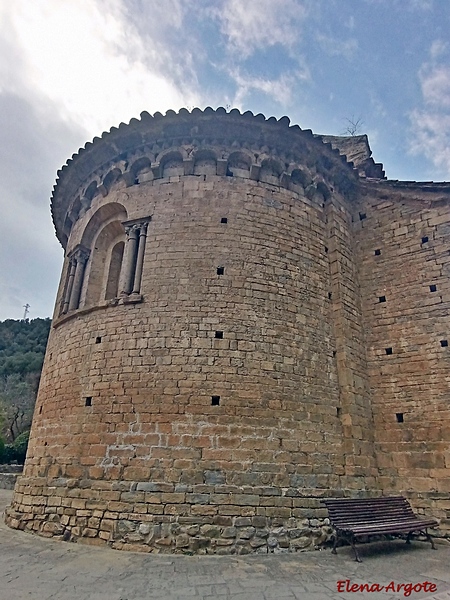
pixel 94 264
pixel 105 264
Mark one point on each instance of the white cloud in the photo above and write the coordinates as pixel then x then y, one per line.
pixel 281 89
pixel 422 4
pixel 351 22
pixel 88 58
pixel 377 104
pixel 435 84
pixel 251 25
pixel 431 121
pixel 438 47
pixel 336 47
pixel 431 131
pixel 410 5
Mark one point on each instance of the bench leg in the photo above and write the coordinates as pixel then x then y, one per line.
pixel 352 542
pixel 423 532
pixel 430 539
pixel 334 551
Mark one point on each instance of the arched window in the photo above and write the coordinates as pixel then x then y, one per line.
pixel 115 266
pixel 108 264
pixel 104 236
pixel 104 263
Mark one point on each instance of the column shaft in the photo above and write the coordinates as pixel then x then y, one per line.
pixel 129 261
pixel 72 266
pixel 140 259
pixel 77 282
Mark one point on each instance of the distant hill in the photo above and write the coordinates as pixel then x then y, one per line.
pixel 22 350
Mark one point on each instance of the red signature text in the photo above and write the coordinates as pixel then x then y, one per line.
pixel 407 589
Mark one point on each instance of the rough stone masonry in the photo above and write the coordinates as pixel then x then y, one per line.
pixel 250 318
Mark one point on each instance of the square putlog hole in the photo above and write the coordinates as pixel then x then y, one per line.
pixel 382 298
pixel 224 220
pixel 433 288
pixel 424 239
pixel 88 401
pixel 220 270
pixel 399 417
pixel 377 252
pixel 215 400
pixel 98 340
pixel 219 335
pixel 444 343
pixel 388 351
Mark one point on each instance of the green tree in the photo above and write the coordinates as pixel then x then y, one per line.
pixel 22 350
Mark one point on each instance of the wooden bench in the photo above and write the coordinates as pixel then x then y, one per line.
pixel 386 515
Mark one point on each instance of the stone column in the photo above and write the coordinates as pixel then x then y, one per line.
pixel 129 260
pixel 71 275
pixel 80 256
pixel 140 258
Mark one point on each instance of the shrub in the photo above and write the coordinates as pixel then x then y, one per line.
pixel 9 454
pixel 20 446
pixel 16 451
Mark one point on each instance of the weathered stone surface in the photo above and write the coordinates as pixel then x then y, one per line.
pixel 144 528
pixel 300 543
pixel 182 541
pixel 124 526
pixel 242 522
pixel 210 531
pixel 213 477
pixel 246 533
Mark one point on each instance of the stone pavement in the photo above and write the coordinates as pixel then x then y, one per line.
pixel 36 568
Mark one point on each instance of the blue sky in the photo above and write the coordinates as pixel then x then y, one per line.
pixel 70 70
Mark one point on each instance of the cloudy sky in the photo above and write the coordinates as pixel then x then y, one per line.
pixel 70 70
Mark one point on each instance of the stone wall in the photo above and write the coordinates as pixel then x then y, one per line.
pixel 151 370
pixel 404 248
pixel 9 475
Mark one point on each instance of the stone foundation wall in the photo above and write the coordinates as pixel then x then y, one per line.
pixel 160 517
pixel 9 475
pixel 8 480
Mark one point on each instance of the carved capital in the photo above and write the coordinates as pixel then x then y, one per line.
pixel 79 254
pixel 132 230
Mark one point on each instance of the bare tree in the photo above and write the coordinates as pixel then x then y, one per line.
pixel 354 126
pixel 17 399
